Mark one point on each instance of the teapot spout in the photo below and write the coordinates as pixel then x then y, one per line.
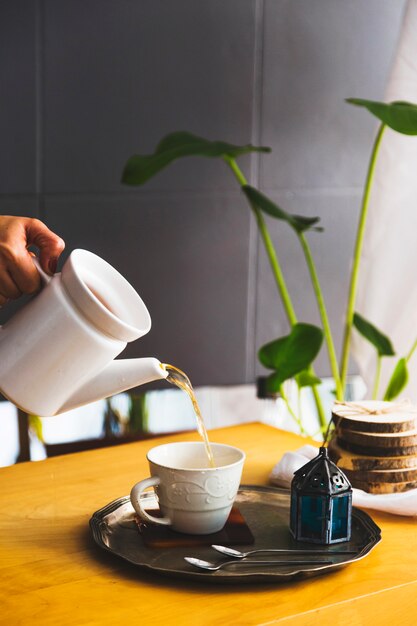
pixel 116 377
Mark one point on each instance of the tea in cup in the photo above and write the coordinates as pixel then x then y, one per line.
pixel 193 497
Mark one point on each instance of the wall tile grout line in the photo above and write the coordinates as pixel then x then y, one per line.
pixel 39 113
pixel 191 194
pixel 257 90
pixel 253 253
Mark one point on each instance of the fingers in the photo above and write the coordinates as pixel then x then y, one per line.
pixel 17 272
pixel 24 273
pixel 8 288
pixel 49 244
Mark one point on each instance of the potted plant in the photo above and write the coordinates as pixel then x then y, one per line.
pixel 292 356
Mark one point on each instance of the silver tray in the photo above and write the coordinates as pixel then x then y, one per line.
pixel 266 511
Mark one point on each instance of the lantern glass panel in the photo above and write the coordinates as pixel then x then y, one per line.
pixel 340 510
pixel 293 518
pixel 312 515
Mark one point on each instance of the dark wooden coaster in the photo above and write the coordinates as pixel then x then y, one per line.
pixel 236 531
pixel 380 488
pixel 383 476
pixel 357 462
pixel 375 450
pixel 402 440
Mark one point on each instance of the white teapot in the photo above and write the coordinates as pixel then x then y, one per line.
pixel 58 351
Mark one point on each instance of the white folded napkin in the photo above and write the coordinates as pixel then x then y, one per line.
pixel 395 503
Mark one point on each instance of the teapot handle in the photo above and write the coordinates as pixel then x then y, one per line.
pixel 44 276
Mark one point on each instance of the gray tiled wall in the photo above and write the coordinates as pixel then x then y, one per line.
pixel 86 83
pixel 18 115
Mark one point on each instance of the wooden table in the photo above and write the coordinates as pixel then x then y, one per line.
pixel 51 572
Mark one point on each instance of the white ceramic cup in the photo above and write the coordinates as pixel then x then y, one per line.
pixel 193 497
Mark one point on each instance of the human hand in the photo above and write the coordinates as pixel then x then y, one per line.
pixel 18 274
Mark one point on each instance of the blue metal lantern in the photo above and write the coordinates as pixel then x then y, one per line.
pixel 321 502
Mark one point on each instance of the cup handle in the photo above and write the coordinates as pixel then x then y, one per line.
pixel 136 503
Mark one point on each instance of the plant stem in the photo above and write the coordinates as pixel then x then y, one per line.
pixel 276 269
pixel 299 403
pixel 410 354
pixel 291 412
pixel 270 250
pixel 323 314
pixel 278 275
pixel 356 259
pixel 236 171
pixel 319 404
pixel 269 247
pixel 377 377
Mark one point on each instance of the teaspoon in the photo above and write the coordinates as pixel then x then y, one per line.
pixel 213 567
pixel 237 554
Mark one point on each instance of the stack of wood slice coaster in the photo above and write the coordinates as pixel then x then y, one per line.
pixel 375 445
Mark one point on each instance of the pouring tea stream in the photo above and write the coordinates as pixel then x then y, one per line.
pixel 180 379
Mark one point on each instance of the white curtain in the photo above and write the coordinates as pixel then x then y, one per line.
pixel 387 293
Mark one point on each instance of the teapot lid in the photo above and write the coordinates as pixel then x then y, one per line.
pixel 104 296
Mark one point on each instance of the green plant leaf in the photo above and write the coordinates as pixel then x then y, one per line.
pixel 398 380
pixel 140 168
pixel 400 116
pixel 269 354
pixel 380 341
pixel 35 423
pixel 138 413
pixel 273 383
pixel 291 354
pixel 307 379
pixel 262 202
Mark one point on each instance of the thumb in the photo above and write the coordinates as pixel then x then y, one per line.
pixel 49 244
